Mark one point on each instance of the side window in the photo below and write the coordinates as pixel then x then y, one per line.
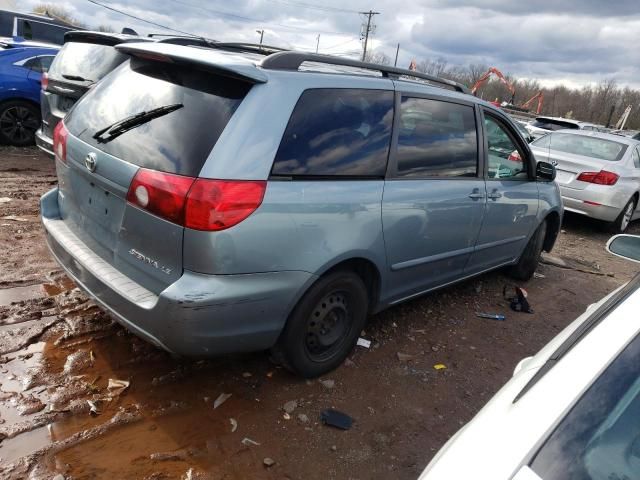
pixel 27 31
pixel 45 63
pixel 636 157
pixel 337 132
pixel 36 64
pixel 436 139
pixel 506 160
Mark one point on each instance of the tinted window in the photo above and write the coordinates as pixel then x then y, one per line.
pixel 86 60
pixel 39 64
pixel 436 139
pixel 337 132
pixel 593 147
pixel 504 155
pixel 599 438
pixel 549 124
pixel 42 31
pixel 178 142
pixel 636 158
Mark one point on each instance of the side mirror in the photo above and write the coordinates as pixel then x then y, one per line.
pixel 545 172
pixel 625 246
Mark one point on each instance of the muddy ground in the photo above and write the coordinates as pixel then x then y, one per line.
pixel 59 353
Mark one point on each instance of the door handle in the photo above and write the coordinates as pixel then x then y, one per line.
pixel 476 194
pixel 494 195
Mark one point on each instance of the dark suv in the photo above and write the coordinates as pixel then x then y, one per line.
pixel 84 59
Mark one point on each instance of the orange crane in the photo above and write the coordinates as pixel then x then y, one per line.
pixel 485 76
pixel 538 96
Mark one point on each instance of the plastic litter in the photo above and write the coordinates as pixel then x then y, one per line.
pixel 538 275
pixel 363 342
pixel 328 383
pixel 234 424
pixel 439 366
pixel 247 442
pixel 405 357
pixel 223 397
pixel 336 419
pixel 93 408
pixel 5 199
pixel 491 316
pixel 269 462
pixel 117 386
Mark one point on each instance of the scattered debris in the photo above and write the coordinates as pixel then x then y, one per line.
pixel 268 462
pixel 5 199
pixel 363 342
pixel 116 387
pixel 14 218
pixel 303 418
pixel 93 408
pixel 269 374
pixel 337 419
pixel 290 406
pixel 555 261
pixel 538 275
pixel 492 316
pixel 223 397
pixel 234 424
pixel 247 442
pixel 519 303
pixel 333 448
pixel 405 357
pixel 328 383
pixel 77 362
pixel 419 330
pixel 440 366
pixel 247 375
pixel 286 416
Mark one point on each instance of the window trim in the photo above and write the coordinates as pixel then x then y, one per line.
pixel 392 165
pixel 515 138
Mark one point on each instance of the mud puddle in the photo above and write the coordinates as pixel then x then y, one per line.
pixel 17 294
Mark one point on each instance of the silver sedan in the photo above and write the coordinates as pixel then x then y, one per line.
pixel 598 173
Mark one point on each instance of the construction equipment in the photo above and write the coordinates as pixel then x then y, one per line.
pixel 485 76
pixel 538 96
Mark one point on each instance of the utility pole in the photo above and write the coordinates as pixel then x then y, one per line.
pixel 367 30
pixel 261 32
pixel 395 64
pixel 317 43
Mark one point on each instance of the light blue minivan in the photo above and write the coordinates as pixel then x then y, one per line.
pixel 238 198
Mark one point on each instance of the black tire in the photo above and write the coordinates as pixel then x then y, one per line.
pixel 324 326
pixel 523 270
pixel 19 121
pixel 620 224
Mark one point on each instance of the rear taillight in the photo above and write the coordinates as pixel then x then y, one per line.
pixel 602 177
pixel 220 204
pixel 515 157
pixel 200 204
pixel 44 81
pixel 163 194
pixel 60 142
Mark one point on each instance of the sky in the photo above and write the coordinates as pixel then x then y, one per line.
pixel 571 42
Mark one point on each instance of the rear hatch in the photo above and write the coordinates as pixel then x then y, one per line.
pixel 100 167
pixel 574 154
pixel 84 59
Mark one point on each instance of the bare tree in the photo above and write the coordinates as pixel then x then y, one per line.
pixel 56 11
pixel 377 57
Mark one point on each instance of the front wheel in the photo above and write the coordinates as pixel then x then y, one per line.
pixel 620 224
pixel 19 121
pixel 324 327
pixel 523 270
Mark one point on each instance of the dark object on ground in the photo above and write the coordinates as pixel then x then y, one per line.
pixel 336 419
pixel 492 316
pixel 519 303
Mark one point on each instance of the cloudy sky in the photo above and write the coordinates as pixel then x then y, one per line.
pixel 574 42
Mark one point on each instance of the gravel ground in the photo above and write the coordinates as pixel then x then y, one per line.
pixel 59 353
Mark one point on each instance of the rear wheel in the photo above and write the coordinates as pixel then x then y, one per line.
pixel 324 326
pixel 620 224
pixel 19 121
pixel 523 270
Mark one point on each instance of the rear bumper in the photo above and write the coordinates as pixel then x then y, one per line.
pixel 609 206
pixel 44 143
pixel 198 315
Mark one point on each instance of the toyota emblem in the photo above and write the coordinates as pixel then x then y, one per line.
pixel 90 162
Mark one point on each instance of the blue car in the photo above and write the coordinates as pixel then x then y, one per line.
pixel 21 70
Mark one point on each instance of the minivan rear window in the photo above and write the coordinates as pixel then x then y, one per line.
pixel 178 142
pixel 337 133
pixel 85 60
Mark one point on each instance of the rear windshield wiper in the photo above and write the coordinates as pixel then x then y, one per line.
pixel 116 129
pixel 77 78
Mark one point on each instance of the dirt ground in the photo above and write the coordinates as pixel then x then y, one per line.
pixel 59 353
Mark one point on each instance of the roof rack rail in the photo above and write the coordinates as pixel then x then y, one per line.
pixel 289 60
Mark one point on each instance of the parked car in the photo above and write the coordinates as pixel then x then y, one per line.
pixel 522 127
pixel 31 26
pixel 21 70
pixel 542 125
pixel 83 60
pixel 634 134
pixel 206 229
pixel 570 412
pixel 598 174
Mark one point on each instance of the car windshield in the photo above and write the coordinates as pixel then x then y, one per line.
pixel 600 437
pixel 587 146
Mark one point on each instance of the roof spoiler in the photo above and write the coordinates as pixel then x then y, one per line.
pixel 99 38
pixel 206 59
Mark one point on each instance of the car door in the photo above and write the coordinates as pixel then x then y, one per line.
pixel 512 196
pixel 434 195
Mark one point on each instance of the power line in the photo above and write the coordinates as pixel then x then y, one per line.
pixel 368 29
pixel 140 19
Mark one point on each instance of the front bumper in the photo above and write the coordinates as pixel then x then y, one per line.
pixel 44 143
pixel 198 315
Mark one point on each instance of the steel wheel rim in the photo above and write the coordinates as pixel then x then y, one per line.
pixel 626 218
pixel 328 326
pixel 18 124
